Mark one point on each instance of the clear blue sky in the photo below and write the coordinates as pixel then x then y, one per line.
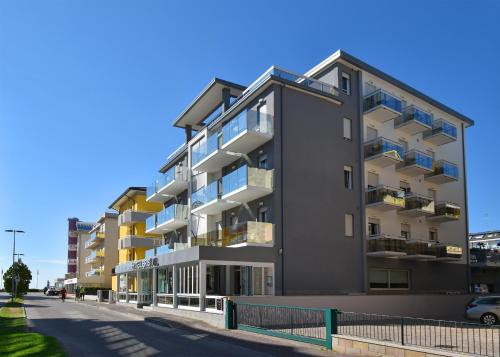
pixel 89 89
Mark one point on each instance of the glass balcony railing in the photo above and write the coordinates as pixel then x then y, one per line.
pixel 172 174
pixel 175 211
pixel 413 114
pixel 298 79
pixel 250 120
pixel 385 195
pixel 417 158
pixel 381 98
pixel 447 209
pixel 95 238
pixel 246 176
pixel 151 222
pixel 417 247
pixel 252 233
pixel 448 251
pixel 421 203
pixel 441 126
pixel 443 167
pixel 386 244
pixel 485 257
pixel 204 148
pixel 205 194
pixel 383 146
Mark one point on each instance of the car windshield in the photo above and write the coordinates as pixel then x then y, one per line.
pixel 488 301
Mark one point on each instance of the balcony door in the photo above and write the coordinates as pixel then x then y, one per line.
pixel 372 180
pixel 371 133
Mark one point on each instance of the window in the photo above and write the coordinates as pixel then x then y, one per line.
pixel 348 177
pixel 347 129
pixel 405 231
pixel 346 83
pixel 373 227
pixel 388 279
pixel 262 214
pixel 349 225
pixel 372 179
pixel 433 235
pixel 263 161
pixel 371 133
pixel 233 220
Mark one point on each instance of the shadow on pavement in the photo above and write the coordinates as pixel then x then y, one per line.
pixel 175 338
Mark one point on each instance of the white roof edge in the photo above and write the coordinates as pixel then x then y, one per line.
pixel 323 64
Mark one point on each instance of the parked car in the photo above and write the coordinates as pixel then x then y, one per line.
pixel 52 291
pixel 485 309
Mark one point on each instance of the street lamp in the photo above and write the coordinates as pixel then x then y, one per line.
pixel 19 256
pixel 14 247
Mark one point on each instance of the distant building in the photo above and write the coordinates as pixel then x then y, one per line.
pixel 78 233
pixel 485 261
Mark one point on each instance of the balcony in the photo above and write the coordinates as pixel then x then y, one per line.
pixel 448 252
pixel 413 121
pixel 419 250
pixel 130 217
pixel 386 246
pixel 444 172
pixel 385 198
pixel 206 156
pixel 72 247
pixel 94 272
pixel 445 212
pixel 442 132
pixel 383 152
pixel 94 240
pixel 132 241
pixel 248 233
pixel 417 205
pixel 242 185
pixel 170 219
pixel 247 131
pixel 246 184
pixel 415 163
pixel 94 256
pixel 168 185
pixel 381 106
pixel 72 261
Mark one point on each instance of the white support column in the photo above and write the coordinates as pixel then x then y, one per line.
pixel 175 284
pixel 202 273
pixel 126 288
pixel 155 285
pixel 117 285
pixel 138 287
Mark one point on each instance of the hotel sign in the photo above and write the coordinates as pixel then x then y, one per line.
pixel 145 264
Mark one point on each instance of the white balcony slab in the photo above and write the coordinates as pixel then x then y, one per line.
pixel 384 160
pixel 412 127
pixel 440 179
pixel 247 141
pixel 381 114
pixel 216 161
pixel 413 170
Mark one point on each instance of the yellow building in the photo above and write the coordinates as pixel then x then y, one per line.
pixel 133 240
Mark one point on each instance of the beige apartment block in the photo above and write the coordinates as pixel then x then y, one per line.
pixel 100 253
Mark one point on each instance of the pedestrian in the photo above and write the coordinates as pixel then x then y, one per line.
pixel 82 293
pixel 77 293
pixel 63 294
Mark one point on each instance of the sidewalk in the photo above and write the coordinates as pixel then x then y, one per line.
pixel 168 322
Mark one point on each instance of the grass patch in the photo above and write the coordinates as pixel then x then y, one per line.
pixel 16 341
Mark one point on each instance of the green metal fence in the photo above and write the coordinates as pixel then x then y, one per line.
pixel 310 325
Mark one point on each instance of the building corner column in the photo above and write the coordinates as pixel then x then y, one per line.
pixel 126 288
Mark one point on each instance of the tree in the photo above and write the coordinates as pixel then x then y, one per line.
pixel 17 269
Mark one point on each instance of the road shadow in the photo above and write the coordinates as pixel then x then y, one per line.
pixel 174 338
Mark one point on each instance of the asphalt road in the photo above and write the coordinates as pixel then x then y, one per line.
pixel 86 329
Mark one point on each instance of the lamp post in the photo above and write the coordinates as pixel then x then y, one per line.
pixel 14 231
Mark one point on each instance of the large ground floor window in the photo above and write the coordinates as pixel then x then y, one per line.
pixel 389 279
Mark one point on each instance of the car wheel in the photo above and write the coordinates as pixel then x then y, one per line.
pixel 489 319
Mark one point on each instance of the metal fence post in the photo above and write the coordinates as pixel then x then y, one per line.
pixel 403 331
pixel 328 328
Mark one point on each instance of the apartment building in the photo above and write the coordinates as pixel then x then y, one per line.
pixel 78 234
pixel 103 257
pixel 343 180
pixel 133 209
pixel 485 261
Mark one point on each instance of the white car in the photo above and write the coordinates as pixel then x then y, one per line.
pixel 485 309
